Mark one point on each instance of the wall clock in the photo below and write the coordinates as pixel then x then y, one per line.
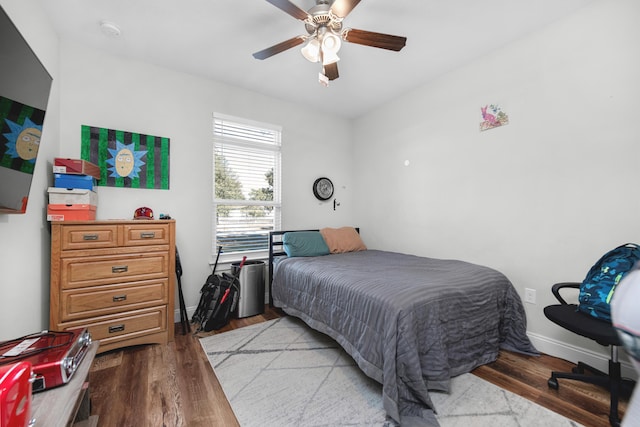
pixel 323 188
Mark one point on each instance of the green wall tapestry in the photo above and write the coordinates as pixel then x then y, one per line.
pixel 127 159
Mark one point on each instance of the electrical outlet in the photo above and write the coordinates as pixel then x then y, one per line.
pixel 530 295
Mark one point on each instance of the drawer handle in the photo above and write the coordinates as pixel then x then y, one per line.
pixel 148 235
pixel 119 269
pixel 118 298
pixel 89 237
pixel 116 328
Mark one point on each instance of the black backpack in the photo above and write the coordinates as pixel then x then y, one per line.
pixel 218 299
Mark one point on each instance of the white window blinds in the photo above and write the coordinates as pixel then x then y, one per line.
pixel 246 184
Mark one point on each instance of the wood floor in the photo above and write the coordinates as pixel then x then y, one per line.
pixel 174 385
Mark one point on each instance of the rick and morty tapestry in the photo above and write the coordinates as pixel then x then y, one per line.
pixel 127 159
pixel 20 132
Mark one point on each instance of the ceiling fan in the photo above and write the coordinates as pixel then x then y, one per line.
pixel 323 24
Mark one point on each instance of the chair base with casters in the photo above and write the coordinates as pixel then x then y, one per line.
pixel 567 316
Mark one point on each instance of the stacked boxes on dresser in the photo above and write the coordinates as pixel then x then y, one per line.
pixel 73 197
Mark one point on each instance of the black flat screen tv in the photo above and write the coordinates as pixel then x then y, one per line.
pixel 25 85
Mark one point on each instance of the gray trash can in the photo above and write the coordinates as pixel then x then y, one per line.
pixel 251 301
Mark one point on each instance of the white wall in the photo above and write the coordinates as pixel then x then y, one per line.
pixel 25 239
pixel 116 93
pixel 539 199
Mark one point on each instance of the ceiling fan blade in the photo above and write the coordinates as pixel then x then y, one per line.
pixel 331 71
pixel 280 47
pixel 290 8
pixel 342 8
pixel 369 38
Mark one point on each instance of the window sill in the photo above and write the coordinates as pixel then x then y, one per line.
pixel 228 259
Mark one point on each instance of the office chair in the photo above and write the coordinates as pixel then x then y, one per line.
pixel 568 316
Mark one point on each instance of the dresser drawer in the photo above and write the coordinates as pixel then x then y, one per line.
pixel 81 271
pixel 145 233
pixel 100 300
pixel 124 326
pixel 89 237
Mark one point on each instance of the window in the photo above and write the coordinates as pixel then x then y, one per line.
pixel 246 199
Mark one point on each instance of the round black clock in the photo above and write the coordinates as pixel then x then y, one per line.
pixel 323 188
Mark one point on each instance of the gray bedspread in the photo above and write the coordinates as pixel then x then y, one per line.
pixel 409 322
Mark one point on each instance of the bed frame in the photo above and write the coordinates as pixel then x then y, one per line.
pixel 276 249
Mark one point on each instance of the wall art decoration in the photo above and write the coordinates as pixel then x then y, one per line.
pixel 127 159
pixel 20 132
pixel 492 117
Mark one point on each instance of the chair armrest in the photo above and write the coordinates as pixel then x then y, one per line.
pixel 556 289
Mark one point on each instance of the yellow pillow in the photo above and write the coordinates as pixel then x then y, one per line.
pixel 344 239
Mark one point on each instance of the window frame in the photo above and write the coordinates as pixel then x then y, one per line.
pixel 274 146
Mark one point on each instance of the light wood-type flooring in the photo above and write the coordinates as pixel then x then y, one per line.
pixel 174 385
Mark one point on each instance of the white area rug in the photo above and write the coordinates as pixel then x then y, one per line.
pixel 282 373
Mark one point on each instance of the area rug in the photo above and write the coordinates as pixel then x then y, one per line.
pixel 282 373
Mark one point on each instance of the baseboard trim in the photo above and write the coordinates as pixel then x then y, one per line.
pixel 190 311
pixel 574 354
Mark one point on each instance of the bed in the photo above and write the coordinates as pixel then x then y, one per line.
pixel 411 323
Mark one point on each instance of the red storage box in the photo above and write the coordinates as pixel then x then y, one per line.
pixel 76 167
pixel 56 212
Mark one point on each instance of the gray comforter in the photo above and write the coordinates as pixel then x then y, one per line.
pixel 411 323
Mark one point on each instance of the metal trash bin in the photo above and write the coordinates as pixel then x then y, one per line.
pixel 251 300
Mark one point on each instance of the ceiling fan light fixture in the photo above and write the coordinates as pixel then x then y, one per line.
pixel 331 43
pixel 311 51
pixel 329 57
pixel 330 46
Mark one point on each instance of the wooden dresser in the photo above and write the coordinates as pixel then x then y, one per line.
pixel 117 278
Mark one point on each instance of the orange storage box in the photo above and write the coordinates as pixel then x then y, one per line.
pixel 75 167
pixel 57 212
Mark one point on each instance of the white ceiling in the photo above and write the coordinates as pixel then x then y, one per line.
pixel 215 39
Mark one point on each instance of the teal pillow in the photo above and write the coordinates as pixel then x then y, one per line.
pixel 304 243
